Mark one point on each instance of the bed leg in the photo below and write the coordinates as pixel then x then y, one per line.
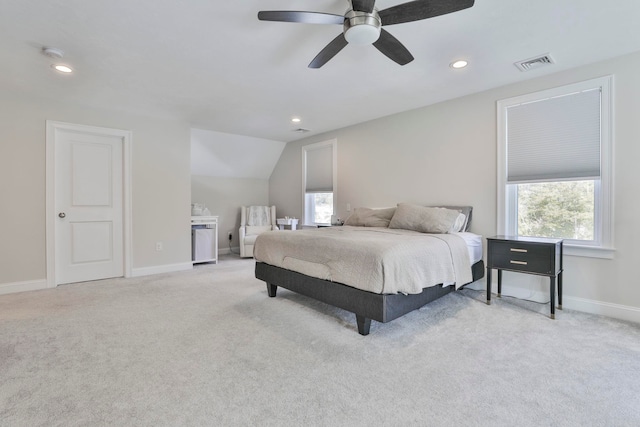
pixel 271 290
pixel 364 324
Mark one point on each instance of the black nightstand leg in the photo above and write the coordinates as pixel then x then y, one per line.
pixel 552 291
pixel 499 283
pixel 560 291
pixel 489 285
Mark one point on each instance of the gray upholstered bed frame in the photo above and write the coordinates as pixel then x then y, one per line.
pixel 367 306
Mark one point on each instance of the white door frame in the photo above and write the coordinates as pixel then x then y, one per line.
pixel 52 127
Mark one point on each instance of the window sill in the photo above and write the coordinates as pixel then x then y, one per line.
pixel 589 251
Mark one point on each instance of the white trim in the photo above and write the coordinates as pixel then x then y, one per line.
pixel 617 311
pixel 606 173
pixel 601 308
pixel 30 285
pixel 604 211
pixel 127 137
pixel 127 203
pixel 588 251
pixel 159 269
pixel 519 292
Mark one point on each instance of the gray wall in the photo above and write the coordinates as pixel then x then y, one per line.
pixel 224 196
pixel 160 184
pixel 446 153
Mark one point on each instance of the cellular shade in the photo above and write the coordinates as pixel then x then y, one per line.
pixel 554 139
pixel 319 169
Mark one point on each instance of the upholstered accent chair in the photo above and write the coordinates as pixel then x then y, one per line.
pixel 254 220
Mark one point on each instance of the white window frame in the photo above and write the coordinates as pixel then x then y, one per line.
pixel 306 148
pixel 602 247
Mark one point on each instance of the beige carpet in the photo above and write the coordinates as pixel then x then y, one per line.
pixel 208 347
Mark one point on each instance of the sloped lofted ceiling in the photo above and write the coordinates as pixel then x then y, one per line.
pixel 214 65
pixel 234 156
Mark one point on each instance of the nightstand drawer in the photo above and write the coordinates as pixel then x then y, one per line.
pixel 524 257
pixel 527 264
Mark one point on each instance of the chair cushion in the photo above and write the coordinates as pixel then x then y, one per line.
pixel 257 229
pixel 250 240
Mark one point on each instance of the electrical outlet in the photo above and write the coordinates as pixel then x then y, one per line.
pixel 348 207
pixel 230 236
pixel 158 246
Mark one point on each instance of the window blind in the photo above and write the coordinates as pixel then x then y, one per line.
pixel 554 139
pixel 319 168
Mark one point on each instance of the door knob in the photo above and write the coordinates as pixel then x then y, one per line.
pixel 62 214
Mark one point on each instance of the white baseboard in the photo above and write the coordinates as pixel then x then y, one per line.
pixel 30 285
pixel 616 311
pixel 226 251
pixel 511 291
pixel 34 285
pixel 622 312
pixel 159 269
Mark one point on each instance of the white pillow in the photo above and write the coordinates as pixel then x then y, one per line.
pixel 459 224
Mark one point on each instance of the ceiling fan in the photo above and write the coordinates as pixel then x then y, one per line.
pixel 362 24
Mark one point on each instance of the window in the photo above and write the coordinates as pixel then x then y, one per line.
pixel 319 182
pixel 554 157
pixel 318 208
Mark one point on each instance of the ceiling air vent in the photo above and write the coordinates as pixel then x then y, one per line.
pixel 537 62
pixel 301 130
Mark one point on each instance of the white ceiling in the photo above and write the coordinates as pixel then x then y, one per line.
pixel 214 65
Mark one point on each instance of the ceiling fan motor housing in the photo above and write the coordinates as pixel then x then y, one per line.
pixel 362 27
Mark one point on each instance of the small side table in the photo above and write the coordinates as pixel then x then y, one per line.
pixel 204 239
pixel 532 255
pixel 292 223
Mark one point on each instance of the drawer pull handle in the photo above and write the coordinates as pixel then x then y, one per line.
pixel 518 262
pixel 518 250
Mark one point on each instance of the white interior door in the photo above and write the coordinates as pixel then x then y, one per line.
pixel 89 235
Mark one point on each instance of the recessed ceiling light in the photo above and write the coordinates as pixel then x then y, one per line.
pixel 296 120
pixel 62 68
pixel 459 64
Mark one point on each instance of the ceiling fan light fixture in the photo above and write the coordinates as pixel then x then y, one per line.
pixel 362 28
pixel 362 34
pixel 362 25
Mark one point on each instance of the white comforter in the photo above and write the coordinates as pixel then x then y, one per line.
pixel 380 260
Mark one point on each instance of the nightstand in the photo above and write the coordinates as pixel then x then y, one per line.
pixel 532 255
pixel 283 223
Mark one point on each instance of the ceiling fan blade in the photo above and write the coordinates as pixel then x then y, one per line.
pixel 301 17
pixel 392 48
pixel 421 9
pixel 329 51
pixel 363 5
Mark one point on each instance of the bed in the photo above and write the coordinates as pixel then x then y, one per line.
pixel 380 265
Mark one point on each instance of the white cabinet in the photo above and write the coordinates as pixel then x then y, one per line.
pixel 204 239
